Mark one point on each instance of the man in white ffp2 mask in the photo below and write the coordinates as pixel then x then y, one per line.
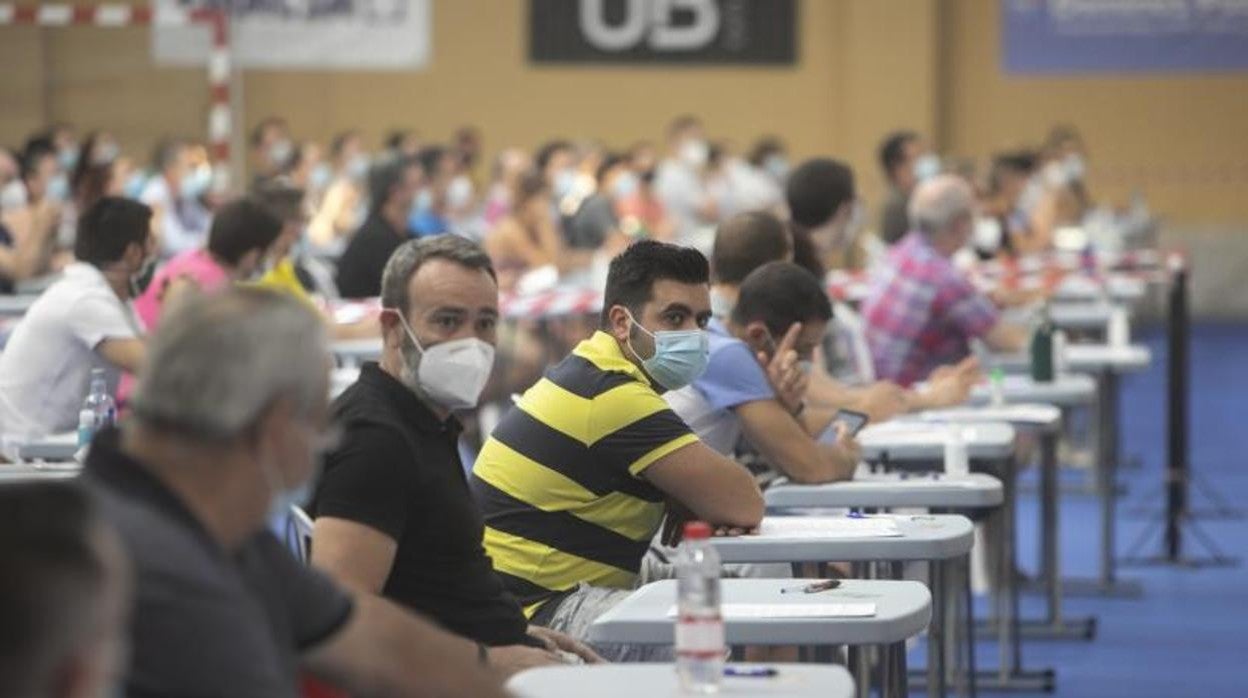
pixel 394 516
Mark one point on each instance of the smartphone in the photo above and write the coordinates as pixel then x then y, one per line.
pixel 853 421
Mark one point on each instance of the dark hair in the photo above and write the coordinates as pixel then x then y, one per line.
pixel 529 185
pixel 430 159
pixel 745 242
pixel 386 176
pixel 165 152
pixel 609 162
pixel 109 227
pixel 547 152
pixel 54 578
pixel 282 198
pixel 268 122
pixel 241 226
pixel 893 150
pixel 412 255
pixel 1022 162
pixel 683 122
pixel 90 179
pixel 631 276
pixel 340 141
pixel 805 254
pixel 35 150
pixel 394 139
pixel 764 149
pixel 817 189
pixel 780 294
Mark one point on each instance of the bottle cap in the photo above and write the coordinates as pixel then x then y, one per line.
pixel 697 530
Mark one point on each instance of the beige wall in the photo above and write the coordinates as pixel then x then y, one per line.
pixel 866 67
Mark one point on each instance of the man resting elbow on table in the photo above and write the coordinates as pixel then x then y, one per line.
pixel 755 383
pixel 574 479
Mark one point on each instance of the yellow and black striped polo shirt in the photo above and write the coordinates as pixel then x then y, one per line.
pixel 559 478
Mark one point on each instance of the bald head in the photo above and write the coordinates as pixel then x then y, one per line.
pixel 943 209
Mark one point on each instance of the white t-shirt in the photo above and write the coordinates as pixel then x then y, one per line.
pixel 45 369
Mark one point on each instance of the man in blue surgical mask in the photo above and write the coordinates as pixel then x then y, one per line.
pixel 574 479
pixel 906 161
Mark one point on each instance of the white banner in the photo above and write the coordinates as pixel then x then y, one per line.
pixel 334 34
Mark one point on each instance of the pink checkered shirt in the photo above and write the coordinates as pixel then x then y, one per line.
pixel 922 312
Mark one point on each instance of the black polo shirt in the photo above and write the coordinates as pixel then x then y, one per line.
pixel 208 621
pixel 361 264
pixel 398 471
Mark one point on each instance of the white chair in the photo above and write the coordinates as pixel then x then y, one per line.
pixel 299 534
pixel 851 327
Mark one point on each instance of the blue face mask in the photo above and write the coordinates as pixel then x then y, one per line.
pixel 625 186
pixel 926 167
pixel 320 177
pixel 58 188
pixel 67 158
pixel 196 184
pixel 679 356
pixel 135 184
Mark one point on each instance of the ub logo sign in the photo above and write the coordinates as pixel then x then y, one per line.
pixel 663 31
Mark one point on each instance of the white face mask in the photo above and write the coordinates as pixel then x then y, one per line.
pixel 695 153
pixel 451 374
pixel 13 195
pixel 926 167
pixel 988 235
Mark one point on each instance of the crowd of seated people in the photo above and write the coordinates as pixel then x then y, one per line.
pixel 716 336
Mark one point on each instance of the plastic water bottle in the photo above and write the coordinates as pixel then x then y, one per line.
pixel 101 405
pixel 1042 349
pixel 700 645
pixel 86 427
pixel 996 387
pixel 957 459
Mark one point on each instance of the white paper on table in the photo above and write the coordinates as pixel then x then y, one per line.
pixel 752 611
pixel 828 527
pixel 917 481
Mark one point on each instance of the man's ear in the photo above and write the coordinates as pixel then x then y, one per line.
pixel 620 326
pixel 391 329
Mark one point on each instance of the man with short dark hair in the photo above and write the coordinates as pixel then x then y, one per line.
pixel 174 192
pixel 226 426
pixel 573 479
pixel 755 381
pixel 64 594
pixel 743 243
pixel 597 221
pixel 392 189
pixel 394 516
pixel 906 161
pixel 678 181
pixel 82 322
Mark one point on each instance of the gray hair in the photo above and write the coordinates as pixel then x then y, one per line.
pixel 939 202
pixel 411 255
pixel 219 360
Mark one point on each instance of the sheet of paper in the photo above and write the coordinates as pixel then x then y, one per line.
pixel 828 527
pixel 752 611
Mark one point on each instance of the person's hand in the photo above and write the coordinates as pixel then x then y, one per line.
pixel 513 659
pixel 882 401
pixel 555 640
pixel 783 372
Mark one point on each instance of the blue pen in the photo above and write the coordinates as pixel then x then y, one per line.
pixel 855 514
pixel 746 672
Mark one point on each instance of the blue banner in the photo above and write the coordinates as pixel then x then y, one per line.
pixel 1053 37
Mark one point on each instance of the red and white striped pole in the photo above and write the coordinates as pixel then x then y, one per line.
pixel 220 116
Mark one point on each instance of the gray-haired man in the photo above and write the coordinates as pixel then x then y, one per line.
pixel 228 417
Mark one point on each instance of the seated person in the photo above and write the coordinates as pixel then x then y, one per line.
pixel 239 240
pixel 922 312
pixel 754 383
pixel 528 238
pixel 394 516
pixel 597 222
pixel 82 322
pixel 228 419
pixel 748 241
pixel 573 479
pixel 392 187
pixel 65 596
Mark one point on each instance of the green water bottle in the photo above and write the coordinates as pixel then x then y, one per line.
pixel 1042 349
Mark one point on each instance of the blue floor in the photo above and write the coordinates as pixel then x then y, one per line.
pixel 1188 634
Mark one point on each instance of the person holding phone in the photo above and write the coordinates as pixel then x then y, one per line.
pixel 755 382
